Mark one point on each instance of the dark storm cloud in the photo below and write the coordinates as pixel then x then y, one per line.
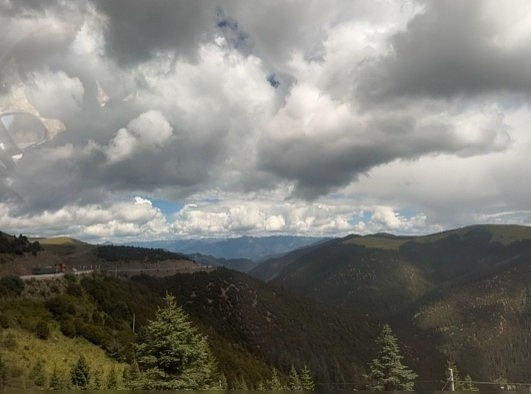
pixel 319 166
pixel 138 29
pixel 450 49
pixel 62 173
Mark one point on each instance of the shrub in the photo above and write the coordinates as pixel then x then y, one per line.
pixel 11 284
pixel 9 342
pixel 4 321
pixel 68 327
pixel 60 306
pixel 56 382
pixel 42 330
pixel 3 373
pixel 74 289
pixel 37 373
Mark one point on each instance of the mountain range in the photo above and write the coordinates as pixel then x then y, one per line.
pixel 460 295
pixel 467 291
pixel 251 248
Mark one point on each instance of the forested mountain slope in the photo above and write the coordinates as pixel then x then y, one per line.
pixel 465 290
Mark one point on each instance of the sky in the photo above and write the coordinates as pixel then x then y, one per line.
pixel 191 119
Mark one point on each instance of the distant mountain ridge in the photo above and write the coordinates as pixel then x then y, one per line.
pixel 252 248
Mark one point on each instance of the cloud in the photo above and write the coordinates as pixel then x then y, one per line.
pixel 389 219
pixel 137 29
pixel 147 132
pixel 272 116
pixel 236 216
pixel 133 219
pixel 323 144
pixel 55 93
pixel 453 49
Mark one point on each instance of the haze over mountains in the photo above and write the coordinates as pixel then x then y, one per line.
pixel 252 248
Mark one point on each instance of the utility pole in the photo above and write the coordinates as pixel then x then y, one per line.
pixel 133 322
pixel 452 383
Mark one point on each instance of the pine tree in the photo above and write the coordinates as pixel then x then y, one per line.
pixel 174 355
pixel 467 384
pixel 387 373
pixel 131 376
pixel 459 384
pixel 274 383
pixel 56 383
pixel 80 373
pixel 223 384
pixel 294 382
pixel 307 383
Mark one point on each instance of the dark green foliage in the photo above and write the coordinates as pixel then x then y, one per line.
pixel 68 327
pixel 467 385
pixel 460 293
pixel 4 321
pixel 131 375
pixel 124 253
pixel 294 381
pixel 223 384
pixel 56 383
pixel 80 374
pixel 61 306
pixel 306 379
pixel 37 373
pixel 100 309
pixel 239 384
pixel 96 380
pixel 11 285
pixel 74 289
pixel 42 330
pixel 459 383
pixel 17 245
pixel 9 342
pixel 260 321
pixel 274 384
pixel 173 355
pixel 112 380
pixel 386 371
pixel 3 373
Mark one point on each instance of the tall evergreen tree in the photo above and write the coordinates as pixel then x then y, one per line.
pixel 386 371
pixel 274 383
pixel 80 373
pixel 306 378
pixel 174 355
pixel 56 382
pixel 294 382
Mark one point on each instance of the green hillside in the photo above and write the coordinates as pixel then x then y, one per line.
pixel 281 329
pixel 464 290
pixel 462 295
